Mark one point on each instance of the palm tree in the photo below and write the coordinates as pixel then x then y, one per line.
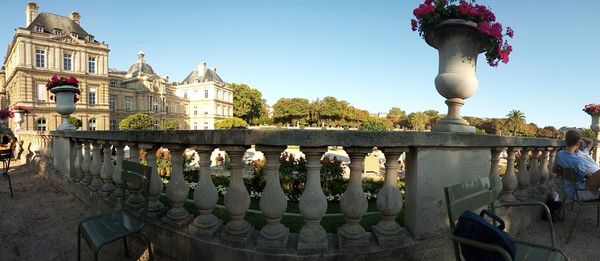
pixel 515 121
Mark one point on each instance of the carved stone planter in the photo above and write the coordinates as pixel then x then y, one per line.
pixel 65 104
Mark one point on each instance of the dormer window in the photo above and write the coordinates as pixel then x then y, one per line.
pixel 76 35
pixel 89 38
pixel 57 31
pixel 38 28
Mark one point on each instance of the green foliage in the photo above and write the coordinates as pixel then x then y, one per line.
pixel 247 103
pixel 418 121
pixel 231 123
pixel 169 125
pixel 75 122
pixel 291 110
pixel 396 115
pixel 138 121
pixel 373 124
pixel 588 133
pixel 515 122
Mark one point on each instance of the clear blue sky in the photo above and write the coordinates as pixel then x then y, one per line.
pixel 360 51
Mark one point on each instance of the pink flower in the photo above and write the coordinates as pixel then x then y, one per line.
pixel 484 28
pixel 484 13
pixel 422 10
pixel 496 31
pixel 466 8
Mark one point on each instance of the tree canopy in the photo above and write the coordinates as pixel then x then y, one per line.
pixel 138 121
pixel 231 123
pixel 169 125
pixel 515 121
pixel 374 124
pixel 247 103
pixel 291 110
pixel 75 122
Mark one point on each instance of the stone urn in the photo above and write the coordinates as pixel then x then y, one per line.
pixel 595 123
pixel 19 117
pixel 64 96
pixel 458 43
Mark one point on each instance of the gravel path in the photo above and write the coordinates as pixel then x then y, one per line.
pixel 40 223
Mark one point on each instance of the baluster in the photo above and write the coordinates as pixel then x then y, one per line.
pixel 155 207
pixel 135 199
pixel 388 232
pixel 177 191
pixel 313 205
pixel 535 175
pixel 95 167
pixel 351 235
pixel 205 197
pixel 523 176
pixel 273 203
pixel 509 180
pixel 86 163
pixel 544 172
pixel 237 200
pixel 118 193
pixel 495 180
pixel 106 171
pixel 78 161
pixel 554 184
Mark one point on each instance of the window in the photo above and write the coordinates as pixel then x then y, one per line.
pixel 113 125
pixel 39 29
pixel 218 94
pixel 57 31
pixel 40 58
pixel 91 64
pixel 205 94
pixel 155 125
pixel 67 62
pixel 42 94
pixel 218 110
pixel 92 124
pixel 184 94
pixel 127 104
pixel 154 104
pixel 92 96
pixel 113 83
pixel 111 103
pixel 206 125
pixel 195 110
pixel 76 35
pixel 195 125
pixel 41 124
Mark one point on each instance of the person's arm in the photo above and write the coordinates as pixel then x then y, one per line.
pixel 589 142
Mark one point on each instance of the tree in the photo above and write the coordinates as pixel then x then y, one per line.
pixel 331 110
pixel 169 125
pixel 433 117
pixel 373 124
pixel 247 102
pixel 75 122
pixel 291 110
pixel 231 123
pixel 138 121
pixel 417 120
pixel 396 115
pixel 515 121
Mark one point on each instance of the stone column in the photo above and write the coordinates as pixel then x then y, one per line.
pixel 509 180
pixel 351 235
pixel 135 200
pixel 155 207
pixel 388 232
pixel 495 180
pixel 95 167
pixel 117 178
pixel 534 174
pixel 544 173
pixel 237 200
pixel 554 183
pixel 177 191
pixel 273 203
pixel 134 152
pixel 78 160
pixel 523 176
pixel 106 172
pixel 313 205
pixel 85 164
pixel 205 197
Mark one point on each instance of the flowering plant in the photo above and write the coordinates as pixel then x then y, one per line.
pixel 592 109
pixel 4 113
pixel 432 13
pixel 59 81
pixel 20 108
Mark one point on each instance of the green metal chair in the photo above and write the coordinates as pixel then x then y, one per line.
pixel 5 157
pixel 477 194
pixel 106 228
pixel 569 175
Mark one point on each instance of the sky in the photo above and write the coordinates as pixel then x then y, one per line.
pixel 360 51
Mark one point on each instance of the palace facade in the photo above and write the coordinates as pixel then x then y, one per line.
pixel 51 44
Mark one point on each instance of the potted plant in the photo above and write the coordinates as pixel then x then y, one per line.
pixel 4 115
pixel 594 111
pixel 65 92
pixel 19 112
pixel 460 31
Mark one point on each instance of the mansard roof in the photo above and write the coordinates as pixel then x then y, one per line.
pixel 51 21
pixel 208 75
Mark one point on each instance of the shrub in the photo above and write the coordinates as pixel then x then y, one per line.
pixel 231 123
pixel 138 121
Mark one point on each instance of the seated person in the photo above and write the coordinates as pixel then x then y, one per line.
pixel 588 172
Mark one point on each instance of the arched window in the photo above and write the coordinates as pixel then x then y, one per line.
pixel 41 124
pixel 92 124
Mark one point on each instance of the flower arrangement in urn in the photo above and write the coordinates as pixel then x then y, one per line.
pixel 592 109
pixel 56 81
pixel 432 13
pixel 65 92
pixel 5 113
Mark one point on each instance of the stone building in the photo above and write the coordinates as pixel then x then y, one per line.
pixel 51 44
pixel 210 98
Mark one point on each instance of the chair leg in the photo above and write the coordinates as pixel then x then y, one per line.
pixel 79 244
pixel 125 246
pixel 10 186
pixel 597 215
pixel 574 223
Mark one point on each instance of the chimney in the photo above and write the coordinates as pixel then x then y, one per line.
pixel 31 12
pixel 75 17
pixel 215 69
pixel 201 68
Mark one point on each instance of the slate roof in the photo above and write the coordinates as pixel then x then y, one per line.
pixel 50 21
pixel 209 75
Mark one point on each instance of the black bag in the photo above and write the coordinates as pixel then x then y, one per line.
pixel 475 227
pixel 557 210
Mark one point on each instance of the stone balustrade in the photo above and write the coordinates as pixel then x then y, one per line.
pixel 433 161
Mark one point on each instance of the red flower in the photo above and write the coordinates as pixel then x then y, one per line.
pixel 423 9
pixel 466 8
pixel 413 24
pixel 510 32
